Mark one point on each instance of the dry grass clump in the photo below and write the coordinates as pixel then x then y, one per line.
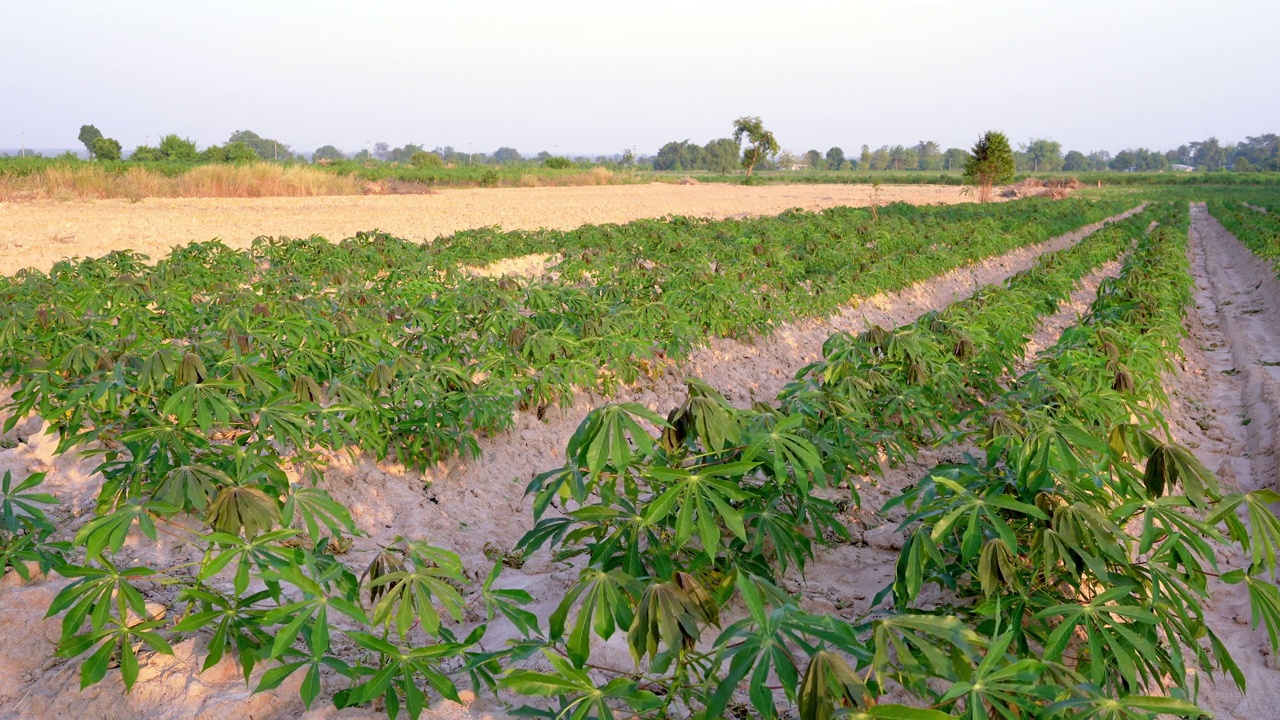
pixel 1056 188
pixel 88 181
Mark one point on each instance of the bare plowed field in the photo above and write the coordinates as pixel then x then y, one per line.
pixel 39 233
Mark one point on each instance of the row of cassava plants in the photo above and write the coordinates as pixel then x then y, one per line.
pixel 201 380
pixel 392 345
pixel 1051 608
pixel 1253 220
pixel 743 481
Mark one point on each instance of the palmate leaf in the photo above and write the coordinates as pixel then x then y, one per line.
pixel 308 616
pixel 830 683
pixel 673 614
pixel 243 509
pixel 1010 686
pixel 786 453
pixel 313 661
pixel 105 596
pixel 1118 637
pixel 20 509
pixel 191 370
pixel 99 590
pixel 111 530
pixel 236 623
pixel 1093 704
pixel 910 648
pixel 972 515
pixel 1261 538
pixel 1170 464
pixel 765 644
pixel 510 603
pixel 191 486
pixel 315 507
pixel 606 602
pixel 262 551
pixel 601 440
pixel 208 403
pixel 707 416
pixel 398 682
pixel 997 568
pixel 580 696
pixel 701 498
pixel 1264 600
pixel 410 595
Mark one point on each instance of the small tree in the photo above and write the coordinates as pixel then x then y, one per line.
pixel 329 153
pixel 238 152
pixel 105 148
pixel 424 159
pixel 89 135
pixel 146 153
pixel 761 143
pixel 178 149
pixel 990 163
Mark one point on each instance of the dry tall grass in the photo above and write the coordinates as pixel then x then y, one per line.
pixel 594 176
pixel 87 181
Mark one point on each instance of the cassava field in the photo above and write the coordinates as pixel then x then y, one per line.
pixel 907 462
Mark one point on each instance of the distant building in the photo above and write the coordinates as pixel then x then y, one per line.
pixel 1181 168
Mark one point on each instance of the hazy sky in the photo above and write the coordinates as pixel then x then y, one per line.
pixel 595 77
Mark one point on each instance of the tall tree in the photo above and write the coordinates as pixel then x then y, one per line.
pixel 835 158
pixel 954 159
pixel 1075 161
pixel 880 159
pixel 990 162
pixel 898 157
pixel 722 155
pixel 328 152
pixel 504 155
pixel 814 159
pixel 930 154
pixel 681 156
pixel 266 148
pixel 760 142
pixel 1210 154
pixel 1045 155
pixel 89 135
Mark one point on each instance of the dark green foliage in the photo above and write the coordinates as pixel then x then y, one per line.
pixel 423 159
pixel 990 163
pixel 89 135
pixel 761 145
pixel 106 149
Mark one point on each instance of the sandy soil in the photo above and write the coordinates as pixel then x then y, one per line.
pixel 39 233
pixel 1225 405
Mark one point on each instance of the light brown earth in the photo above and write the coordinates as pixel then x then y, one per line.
pixel 40 233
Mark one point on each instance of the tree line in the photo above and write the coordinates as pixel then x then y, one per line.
pixel 721 155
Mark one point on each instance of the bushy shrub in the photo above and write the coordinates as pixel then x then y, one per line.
pixel 423 159
pixel 105 148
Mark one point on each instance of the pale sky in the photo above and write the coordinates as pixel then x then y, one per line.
pixel 597 77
